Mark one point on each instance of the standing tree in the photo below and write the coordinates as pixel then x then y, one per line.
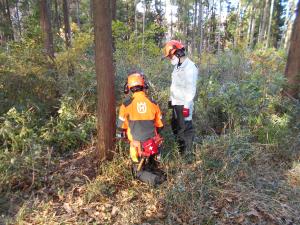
pixel 105 78
pixel 6 26
pixel 46 28
pixel 67 31
pixel 292 70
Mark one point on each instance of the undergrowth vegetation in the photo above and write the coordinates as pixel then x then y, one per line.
pixel 245 165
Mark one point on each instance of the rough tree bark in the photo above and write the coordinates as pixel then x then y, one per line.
pixel 67 30
pixel 113 9
pixel 45 22
pixel 105 78
pixel 270 24
pixel 292 70
pixel 200 29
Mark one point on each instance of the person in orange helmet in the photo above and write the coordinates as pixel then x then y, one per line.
pixel 140 118
pixel 182 93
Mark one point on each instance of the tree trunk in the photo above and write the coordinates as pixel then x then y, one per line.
pixel 200 29
pixel 57 19
pixel 270 24
pixel 253 25
pixel 250 20
pixel 135 20
pixel 78 13
pixel 45 22
pixel 292 71
pixel 237 32
pixel 67 27
pixel 105 79
pixel 262 32
pixel 7 23
pixel 113 9
pixel 18 19
pixel 67 34
pixel 194 30
pixel 220 24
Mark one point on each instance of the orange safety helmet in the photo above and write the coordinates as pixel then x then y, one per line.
pixel 171 47
pixel 135 79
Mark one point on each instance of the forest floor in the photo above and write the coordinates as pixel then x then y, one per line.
pixel 267 192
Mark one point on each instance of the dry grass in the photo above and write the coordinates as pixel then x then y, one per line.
pixel 230 181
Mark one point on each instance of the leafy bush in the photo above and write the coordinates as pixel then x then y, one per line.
pixel 69 130
pixel 20 148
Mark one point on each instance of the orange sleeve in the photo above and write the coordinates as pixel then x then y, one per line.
pixel 158 117
pixel 122 120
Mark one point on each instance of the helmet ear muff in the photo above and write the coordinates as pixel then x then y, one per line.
pixel 126 89
pixel 146 83
pixel 180 52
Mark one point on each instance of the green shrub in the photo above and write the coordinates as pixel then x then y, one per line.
pixel 20 148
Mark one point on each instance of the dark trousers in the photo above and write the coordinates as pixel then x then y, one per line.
pixel 183 130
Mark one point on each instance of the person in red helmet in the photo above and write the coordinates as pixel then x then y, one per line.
pixel 182 93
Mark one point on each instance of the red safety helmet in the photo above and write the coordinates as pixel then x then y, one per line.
pixel 171 47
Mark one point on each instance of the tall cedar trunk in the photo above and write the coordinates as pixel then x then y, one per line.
pixel 194 30
pixel 18 19
pixel 220 24
pixel 91 11
pixel 237 36
pixel 5 14
pixel 113 9
pixel 57 19
pixel 292 70
pixel 286 25
pixel 135 19
pixel 78 13
pixel 270 24
pixel 252 32
pixel 46 28
pixel 67 28
pixel 105 78
pixel 250 19
pixel 200 29
pixel 67 31
pixel 262 32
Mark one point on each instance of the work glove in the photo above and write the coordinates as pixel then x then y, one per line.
pixel 122 134
pixel 186 112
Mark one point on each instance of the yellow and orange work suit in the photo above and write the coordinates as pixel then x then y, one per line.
pixel 141 117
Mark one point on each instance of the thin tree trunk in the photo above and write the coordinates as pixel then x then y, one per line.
pixel 18 18
pixel 220 24
pixel 45 22
pixel 200 28
pixel 9 32
pixel 250 20
pixel 57 19
pixel 194 31
pixel 135 20
pixel 113 9
pixel 105 79
pixel 78 13
pixel 143 39
pixel 270 24
pixel 67 27
pixel 262 32
pixel 253 25
pixel 68 34
pixel 292 71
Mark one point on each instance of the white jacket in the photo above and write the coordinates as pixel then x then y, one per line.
pixel 184 83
